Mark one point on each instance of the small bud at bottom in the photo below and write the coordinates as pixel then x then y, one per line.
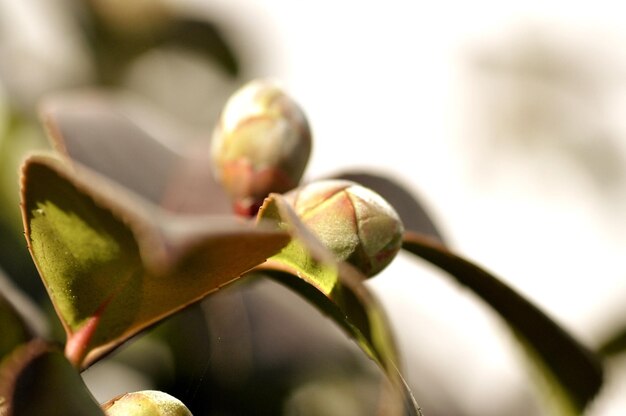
pixel 145 403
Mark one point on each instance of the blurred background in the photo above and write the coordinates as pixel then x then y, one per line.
pixel 504 119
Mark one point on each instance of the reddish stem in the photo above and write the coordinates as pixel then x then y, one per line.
pixel 246 208
pixel 78 341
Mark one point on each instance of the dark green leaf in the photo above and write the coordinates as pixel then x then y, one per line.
pixel 15 331
pixel 575 368
pixel 202 37
pixel 337 289
pixel 118 35
pixel 19 137
pixel 114 265
pixel 38 380
pixel 614 345
pixel 411 211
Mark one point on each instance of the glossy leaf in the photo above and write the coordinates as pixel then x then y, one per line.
pixel 113 265
pixel 337 289
pixel 38 380
pixel 93 129
pixel 575 368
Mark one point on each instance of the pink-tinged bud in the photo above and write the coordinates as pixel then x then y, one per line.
pixel 261 145
pixel 354 222
pixel 145 403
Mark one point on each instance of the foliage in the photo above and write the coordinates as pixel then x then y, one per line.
pixel 127 230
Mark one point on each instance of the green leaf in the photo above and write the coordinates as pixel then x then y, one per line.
pixel 614 345
pixel 15 331
pixel 576 370
pixel 414 215
pixel 338 290
pixel 87 129
pixel 114 265
pixel 95 130
pixel 18 137
pixel 202 37
pixel 116 44
pixel 38 380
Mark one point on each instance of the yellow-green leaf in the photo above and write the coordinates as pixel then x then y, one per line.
pixel 338 290
pixel 113 264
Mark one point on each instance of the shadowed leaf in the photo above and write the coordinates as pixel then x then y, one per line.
pixel 15 331
pixel 30 311
pixel 38 380
pixel 86 129
pixel 91 128
pixel 201 37
pixel 615 345
pixel 18 136
pixel 337 289
pixel 414 216
pixel 575 368
pixel 113 265
pixel 119 33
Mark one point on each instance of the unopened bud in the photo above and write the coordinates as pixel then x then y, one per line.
pixel 146 403
pixel 261 145
pixel 354 222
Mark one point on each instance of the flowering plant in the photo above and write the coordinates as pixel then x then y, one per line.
pixel 127 230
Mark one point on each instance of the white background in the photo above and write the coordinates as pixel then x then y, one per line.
pixel 388 85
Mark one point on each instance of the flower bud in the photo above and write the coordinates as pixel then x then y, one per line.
pixel 261 144
pixel 354 222
pixel 145 403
